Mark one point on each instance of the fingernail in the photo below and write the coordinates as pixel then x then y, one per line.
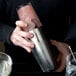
pixel 16 22
pixel 31 35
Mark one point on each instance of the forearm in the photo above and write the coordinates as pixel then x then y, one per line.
pixel 5 32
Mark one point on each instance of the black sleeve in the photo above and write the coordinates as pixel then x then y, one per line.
pixel 5 32
pixel 12 6
pixel 71 36
pixel 8 8
pixel 5 29
pixel 8 16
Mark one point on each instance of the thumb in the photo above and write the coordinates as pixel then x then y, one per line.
pixel 20 24
pixel 54 42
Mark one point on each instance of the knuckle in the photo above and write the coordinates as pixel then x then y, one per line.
pixel 15 40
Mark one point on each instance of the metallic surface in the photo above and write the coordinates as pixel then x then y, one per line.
pixel 42 52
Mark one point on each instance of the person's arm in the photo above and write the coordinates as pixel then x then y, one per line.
pixel 15 35
pixel 13 5
pixel 10 11
pixel 71 36
pixel 5 28
pixel 5 31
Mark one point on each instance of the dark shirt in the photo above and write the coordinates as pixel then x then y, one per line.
pixel 53 15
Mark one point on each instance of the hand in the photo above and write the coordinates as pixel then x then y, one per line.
pixel 28 14
pixel 20 36
pixel 63 49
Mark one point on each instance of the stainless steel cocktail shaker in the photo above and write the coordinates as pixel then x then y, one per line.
pixel 42 51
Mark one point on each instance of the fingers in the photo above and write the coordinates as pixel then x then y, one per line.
pixel 26 44
pixel 22 25
pixel 62 47
pixel 62 64
pixel 28 14
pixel 21 37
pixel 25 34
pixel 55 43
